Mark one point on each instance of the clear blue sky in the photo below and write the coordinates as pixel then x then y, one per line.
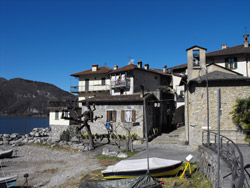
pixel 47 40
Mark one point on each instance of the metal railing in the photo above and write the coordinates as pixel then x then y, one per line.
pixel 230 153
pixel 89 88
pixel 120 83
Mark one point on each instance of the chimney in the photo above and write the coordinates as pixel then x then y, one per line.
pixel 115 67
pixel 246 43
pixel 142 91
pixel 94 67
pixel 165 69
pixel 139 64
pixel 146 67
pixel 224 46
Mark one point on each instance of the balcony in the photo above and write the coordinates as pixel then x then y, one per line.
pixel 89 88
pixel 125 83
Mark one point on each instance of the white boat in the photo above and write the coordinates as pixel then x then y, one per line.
pixel 6 154
pixel 131 168
pixel 7 181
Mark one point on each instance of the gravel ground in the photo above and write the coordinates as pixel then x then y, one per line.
pixel 48 167
pixel 51 168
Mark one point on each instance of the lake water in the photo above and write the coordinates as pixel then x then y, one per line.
pixel 22 125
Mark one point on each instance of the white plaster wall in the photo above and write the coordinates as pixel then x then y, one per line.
pixel 176 82
pixel 242 64
pixel 95 84
pixel 53 121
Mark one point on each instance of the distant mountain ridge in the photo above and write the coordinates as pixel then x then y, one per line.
pixel 25 97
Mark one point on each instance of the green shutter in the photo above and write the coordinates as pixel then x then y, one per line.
pixel 226 63
pixel 235 63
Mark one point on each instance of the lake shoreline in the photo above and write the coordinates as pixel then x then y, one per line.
pixel 21 125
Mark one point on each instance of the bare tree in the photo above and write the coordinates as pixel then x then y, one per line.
pixel 87 116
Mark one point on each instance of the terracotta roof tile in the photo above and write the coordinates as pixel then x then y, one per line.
pixel 100 70
pixel 125 68
pixel 240 49
pixel 114 98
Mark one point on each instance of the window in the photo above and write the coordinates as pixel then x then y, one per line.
pixel 231 63
pixel 86 84
pixel 111 115
pixel 103 81
pixel 128 116
pixel 56 115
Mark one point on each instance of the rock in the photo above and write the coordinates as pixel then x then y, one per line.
pixel 30 141
pixel 14 135
pixel 122 155
pixel 6 135
pixel 105 151
pixel 1 142
pixel 112 154
pixel 37 135
pixel 25 140
pixel 12 142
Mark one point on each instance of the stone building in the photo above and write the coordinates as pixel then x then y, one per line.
pixel 202 79
pixel 119 96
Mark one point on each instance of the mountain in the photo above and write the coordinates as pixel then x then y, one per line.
pixel 19 96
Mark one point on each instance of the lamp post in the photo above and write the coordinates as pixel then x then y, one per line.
pixel 208 128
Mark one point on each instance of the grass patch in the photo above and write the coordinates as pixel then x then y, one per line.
pixel 57 147
pixel 106 157
pixel 195 180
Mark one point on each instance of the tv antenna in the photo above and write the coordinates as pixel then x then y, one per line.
pixel 130 61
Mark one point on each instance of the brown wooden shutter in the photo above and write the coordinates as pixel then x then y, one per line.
pixel 114 116
pixel 122 116
pixel 108 116
pixel 133 116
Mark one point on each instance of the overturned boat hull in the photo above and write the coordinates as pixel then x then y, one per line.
pixel 8 181
pixel 131 168
pixel 6 154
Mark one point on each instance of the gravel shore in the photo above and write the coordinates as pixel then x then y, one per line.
pixel 48 167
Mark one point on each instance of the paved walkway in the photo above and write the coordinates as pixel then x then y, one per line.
pixel 167 151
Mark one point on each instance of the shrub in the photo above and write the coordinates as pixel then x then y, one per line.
pixel 65 136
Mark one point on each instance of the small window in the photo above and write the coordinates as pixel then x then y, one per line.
pixel 111 116
pixel 231 63
pixel 128 116
pixel 57 115
pixel 103 81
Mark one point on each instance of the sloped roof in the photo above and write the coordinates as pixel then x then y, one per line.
pixel 100 70
pixel 196 46
pixel 240 49
pixel 125 68
pixel 115 98
pixel 134 67
pixel 182 66
pixel 219 76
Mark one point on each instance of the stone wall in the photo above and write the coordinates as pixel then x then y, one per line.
pixel 99 126
pixel 56 131
pixel 198 110
pixel 208 164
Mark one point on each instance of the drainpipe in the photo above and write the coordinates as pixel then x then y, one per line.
pixel 188 111
pixel 146 130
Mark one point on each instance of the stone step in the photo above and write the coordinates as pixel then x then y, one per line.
pixel 175 137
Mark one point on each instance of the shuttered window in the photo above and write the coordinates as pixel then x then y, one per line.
pixel 111 115
pixel 231 63
pixel 128 116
